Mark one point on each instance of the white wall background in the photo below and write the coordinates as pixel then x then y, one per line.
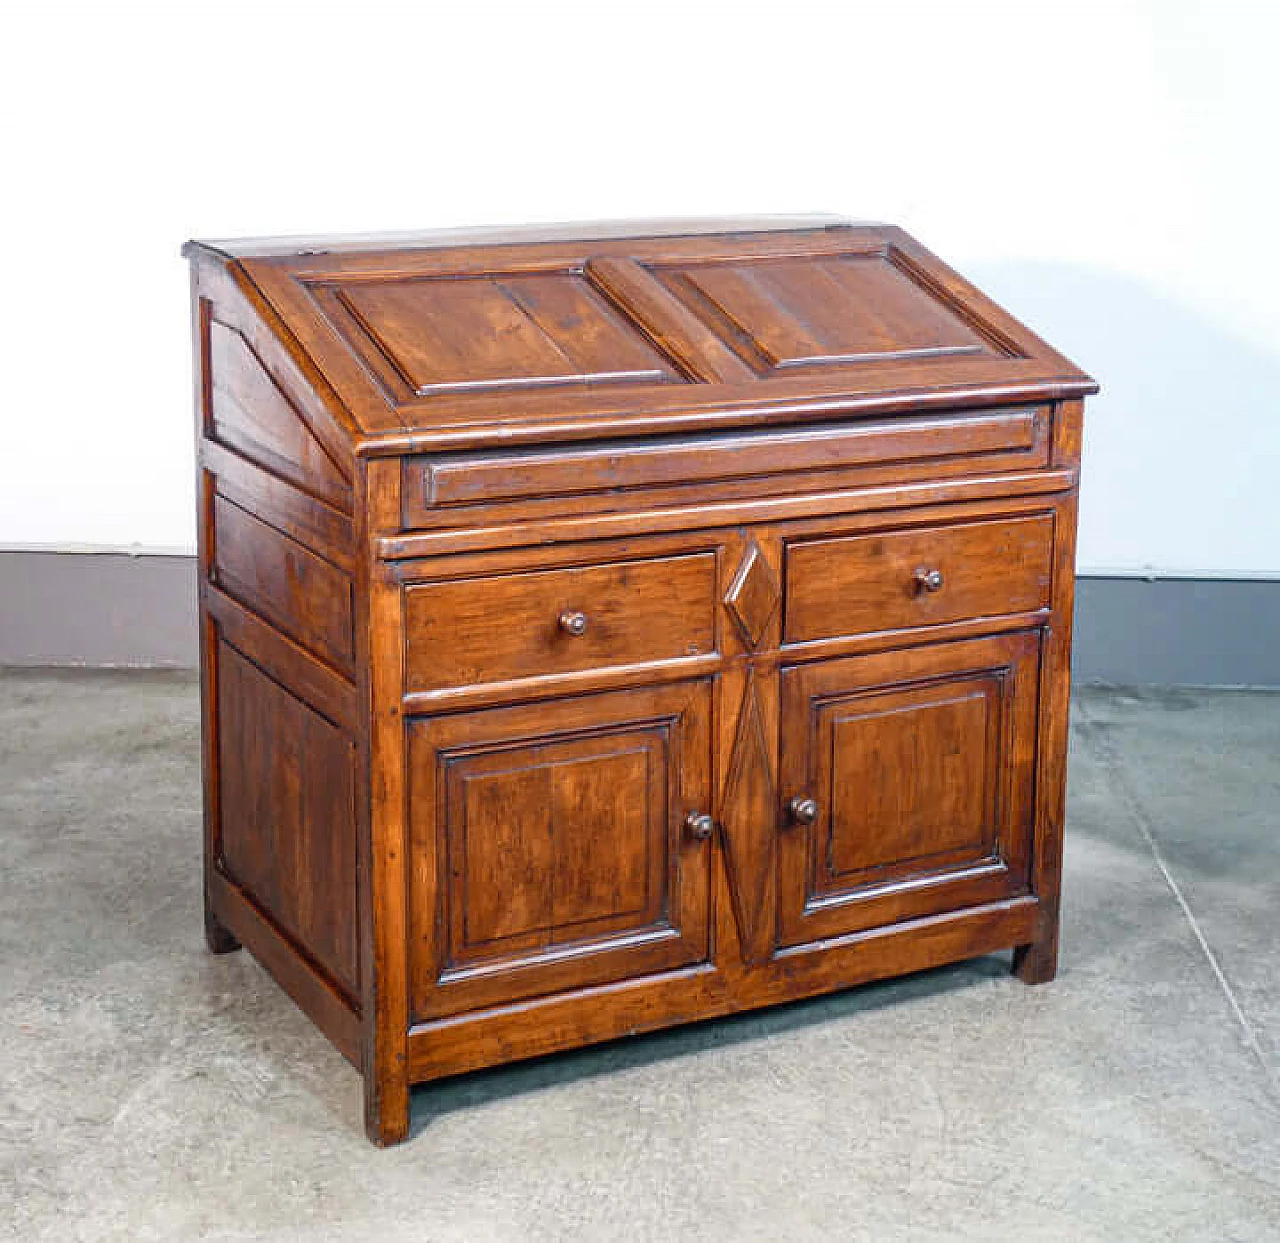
pixel 1108 171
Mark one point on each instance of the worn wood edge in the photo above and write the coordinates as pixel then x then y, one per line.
pixel 469 1042
pixel 320 997
pixel 374 425
pixel 505 235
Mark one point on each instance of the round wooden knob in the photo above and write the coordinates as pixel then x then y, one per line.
pixel 572 622
pixel 929 580
pixel 700 825
pixel 804 810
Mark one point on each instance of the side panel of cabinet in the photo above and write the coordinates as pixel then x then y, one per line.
pixel 281 718
pixel 286 832
pixel 921 764
pixel 547 845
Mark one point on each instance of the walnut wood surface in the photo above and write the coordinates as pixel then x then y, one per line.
pixel 886 581
pixel 560 851
pixel 921 762
pixel 450 345
pixel 294 854
pixel 764 461
pixel 603 632
pixel 502 628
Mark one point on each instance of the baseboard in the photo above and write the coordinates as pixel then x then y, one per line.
pixel 99 609
pixel 1178 631
pixel 120 609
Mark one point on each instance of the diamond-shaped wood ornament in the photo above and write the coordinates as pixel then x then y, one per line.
pixel 753 595
pixel 749 827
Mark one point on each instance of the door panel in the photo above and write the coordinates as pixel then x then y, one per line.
pixel 548 845
pixel 920 767
pixel 522 873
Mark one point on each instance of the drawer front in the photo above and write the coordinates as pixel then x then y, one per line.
pixel 921 576
pixel 508 627
pixel 1003 439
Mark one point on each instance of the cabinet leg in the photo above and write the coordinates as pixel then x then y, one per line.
pixel 386 1109
pixel 1036 963
pixel 217 936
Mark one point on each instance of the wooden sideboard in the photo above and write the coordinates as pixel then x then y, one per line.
pixel 606 630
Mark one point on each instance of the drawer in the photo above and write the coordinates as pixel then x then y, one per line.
pixel 906 446
pixel 538 623
pixel 918 576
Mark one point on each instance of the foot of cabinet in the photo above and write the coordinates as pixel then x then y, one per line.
pixel 217 936
pixel 1036 963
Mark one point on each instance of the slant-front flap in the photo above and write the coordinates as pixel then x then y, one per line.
pixel 445 345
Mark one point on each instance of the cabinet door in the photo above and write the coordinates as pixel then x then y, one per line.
pixel 908 784
pixel 549 845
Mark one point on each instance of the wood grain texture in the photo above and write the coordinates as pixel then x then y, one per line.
pixel 286 825
pixel 311 989
pixel 864 583
pixel 987 439
pixel 603 632
pixel 282 580
pixel 587 1016
pixel 548 845
pixel 504 332
pixel 250 413
pixel 692 512
pixel 509 625
pixel 922 764
pixel 852 315
pixel 824 311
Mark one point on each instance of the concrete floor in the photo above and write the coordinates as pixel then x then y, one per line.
pixel 150 1091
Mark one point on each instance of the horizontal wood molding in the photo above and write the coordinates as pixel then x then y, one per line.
pixel 119 609
pixel 649 1002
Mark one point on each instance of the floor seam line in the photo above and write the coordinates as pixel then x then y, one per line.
pixel 1138 814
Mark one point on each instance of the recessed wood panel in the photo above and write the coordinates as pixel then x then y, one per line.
pixel 437 346
pixel 515 330
pixel 863 584
pixel 548 845
pixel 508 627
pixel 275 576
pixel 943 738
pixel 823 311
pixel 286 826
pixel 251 414
pixel 921 765
pixel 551 843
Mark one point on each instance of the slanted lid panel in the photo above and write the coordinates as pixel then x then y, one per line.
pixel 589 336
